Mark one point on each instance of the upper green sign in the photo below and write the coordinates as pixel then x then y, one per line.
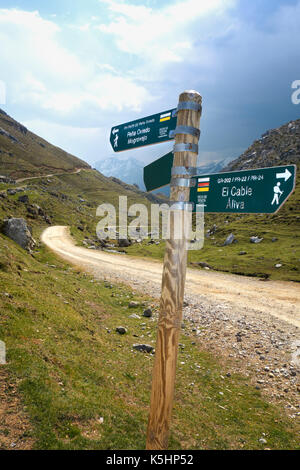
pixel 146 131
pixel 261 191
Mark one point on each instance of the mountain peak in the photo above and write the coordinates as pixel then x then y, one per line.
pixel 128 170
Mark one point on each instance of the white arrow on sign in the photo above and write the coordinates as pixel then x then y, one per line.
pixel 115 131
pixel 286 175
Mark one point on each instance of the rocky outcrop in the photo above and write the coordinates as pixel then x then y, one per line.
pixel 280 146
pixel 8 135
pixel 6 180
pixel 18 231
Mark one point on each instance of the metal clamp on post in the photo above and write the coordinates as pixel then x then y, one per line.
pixel 186 148
pixel 181 206
pixel 189 105
pixel 182 171
pixel 183 182
pixel 187 130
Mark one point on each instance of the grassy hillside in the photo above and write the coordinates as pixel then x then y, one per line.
pixel 80 384
pixel 67 199
pixel 23 153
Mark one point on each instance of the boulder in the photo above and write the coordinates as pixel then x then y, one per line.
pixel 18 231
pixel 33 211
pixel 229 240
pixel 11 192
pixel 204 265
pixel 147 313
pixel 143 348
pixel 121 330
pixel 24 199
pixel 124 243
pixel 256 240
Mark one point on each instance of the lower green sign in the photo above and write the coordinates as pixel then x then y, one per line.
pixel 259 191
pixel 158 173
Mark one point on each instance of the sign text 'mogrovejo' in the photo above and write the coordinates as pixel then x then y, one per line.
pixel 146 131
pixel 259 191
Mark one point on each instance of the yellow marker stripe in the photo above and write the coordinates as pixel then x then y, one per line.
pixel 202 190
pixel 165 119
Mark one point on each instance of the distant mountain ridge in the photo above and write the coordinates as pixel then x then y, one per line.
pixel 129 171
pixel 24 154
pixel 215 166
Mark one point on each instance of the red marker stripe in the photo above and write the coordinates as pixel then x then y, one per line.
pixel 201 185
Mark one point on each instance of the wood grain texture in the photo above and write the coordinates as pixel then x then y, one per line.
pixel 173 282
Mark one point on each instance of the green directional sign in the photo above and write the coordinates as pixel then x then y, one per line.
pixel 259 191
pixel 158 173
pixel 146 131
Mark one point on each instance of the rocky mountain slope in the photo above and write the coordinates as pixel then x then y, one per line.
pixel 24 154
pixel 276 147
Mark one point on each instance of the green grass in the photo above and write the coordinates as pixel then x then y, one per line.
pixel 71 371
pixel 260 260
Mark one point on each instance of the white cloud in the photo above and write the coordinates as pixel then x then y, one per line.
pixel 80 141
pixel 133 60
pixel 163 35
pixel 41 72
pixel 31 44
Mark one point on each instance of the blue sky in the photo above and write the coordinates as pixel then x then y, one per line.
pixel 73 69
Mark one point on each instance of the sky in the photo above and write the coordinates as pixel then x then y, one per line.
pixel 72 69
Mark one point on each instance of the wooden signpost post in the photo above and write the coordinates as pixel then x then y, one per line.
pixel 174 273
pixel 148 131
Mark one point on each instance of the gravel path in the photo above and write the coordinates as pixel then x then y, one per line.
pixel 75 172
pixel 252 323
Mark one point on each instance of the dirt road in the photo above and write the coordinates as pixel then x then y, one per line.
pixel 274 298
pixel 253 325
pixel 75 172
